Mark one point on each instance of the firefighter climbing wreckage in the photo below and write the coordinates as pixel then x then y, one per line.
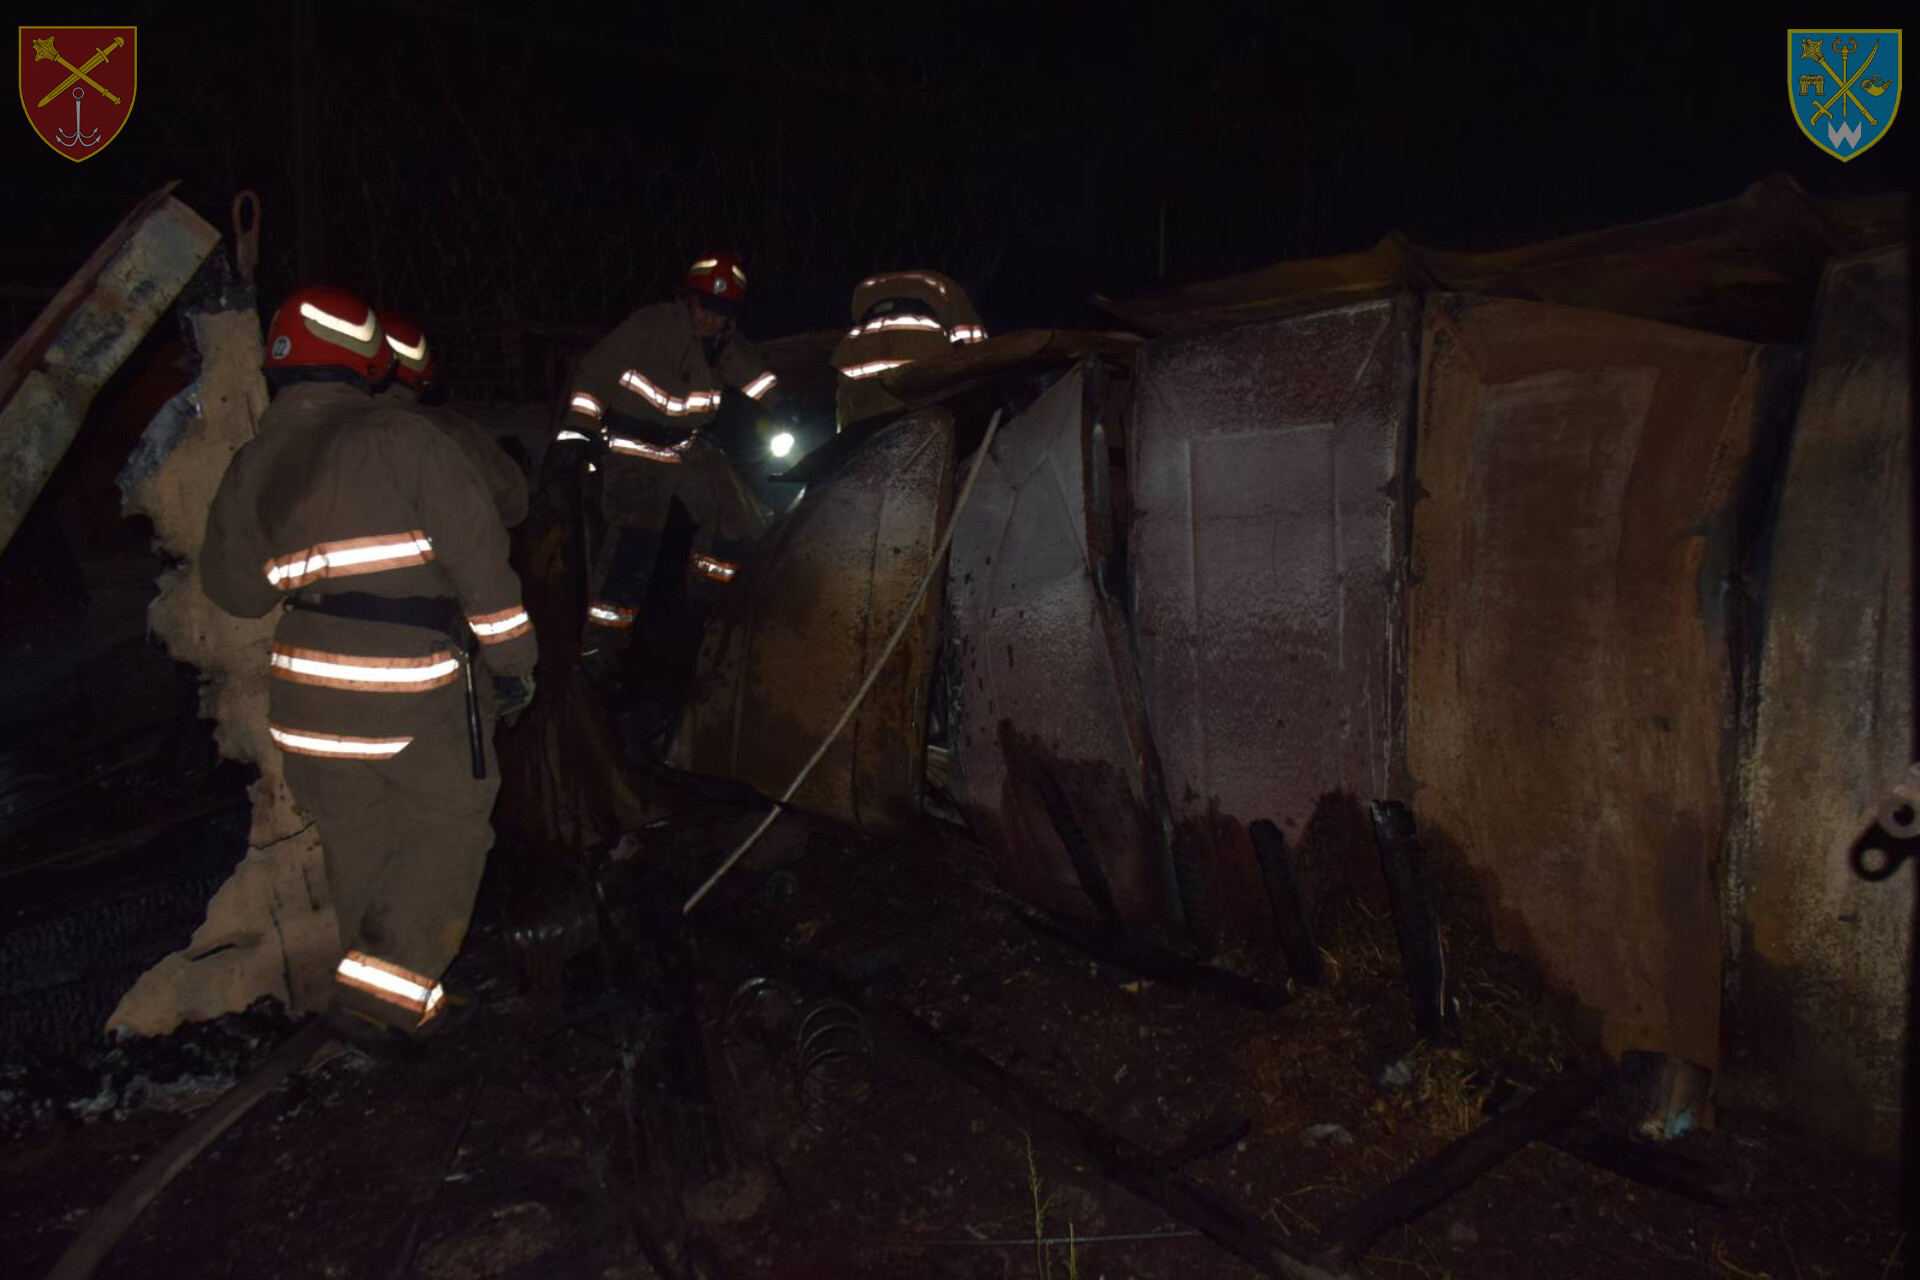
pixel 635 410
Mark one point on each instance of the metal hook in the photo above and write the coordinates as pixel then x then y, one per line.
pixel 78 138
pixel 246 235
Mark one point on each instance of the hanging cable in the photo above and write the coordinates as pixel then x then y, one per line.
pixel 906 619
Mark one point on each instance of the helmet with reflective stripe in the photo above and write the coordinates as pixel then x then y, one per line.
pixel 323 327
pixel 414 363
pixel 718 277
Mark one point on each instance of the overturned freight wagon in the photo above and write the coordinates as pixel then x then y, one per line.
pixel 1492 534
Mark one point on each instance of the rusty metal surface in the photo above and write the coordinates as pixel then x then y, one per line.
pixel 1746 267
pixel 1046 690
pixel 1265 549
pixel 971 382
pixel 812 608
pixel 1001 354
pixel 1572 692
pixel 1822 981
pixel 50 377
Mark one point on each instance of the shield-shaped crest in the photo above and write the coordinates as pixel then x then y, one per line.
pixel 1844 87
pixel 76 85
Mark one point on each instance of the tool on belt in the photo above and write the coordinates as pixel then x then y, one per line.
pixel 434 613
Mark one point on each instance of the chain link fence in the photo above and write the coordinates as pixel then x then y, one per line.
pixel 520 189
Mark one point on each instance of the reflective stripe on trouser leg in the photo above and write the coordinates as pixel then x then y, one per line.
pixel 406 842
pixel 398 995
pixel 705 586
pixel 625 564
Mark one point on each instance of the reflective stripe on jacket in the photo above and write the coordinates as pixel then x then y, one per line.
pixel 339 493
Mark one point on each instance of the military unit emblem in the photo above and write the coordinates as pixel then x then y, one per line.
pixel 77 107
pixel 1844 87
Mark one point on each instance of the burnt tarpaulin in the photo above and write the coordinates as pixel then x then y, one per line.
pixel 1282 289
pixel 1265 552
pixel 807 618
pixel 1745 267
pixel 1046 695
pixel 1821 951
pixel 1575 618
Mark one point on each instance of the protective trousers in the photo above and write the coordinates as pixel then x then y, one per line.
pixel 622 568
pixel 641 500
pixel 406 841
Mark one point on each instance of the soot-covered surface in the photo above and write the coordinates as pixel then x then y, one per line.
pixel 504 1153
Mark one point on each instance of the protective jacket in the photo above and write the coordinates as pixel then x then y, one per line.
pixel 898 318
pixel 338 494
pixel 654 382
pixel 502 476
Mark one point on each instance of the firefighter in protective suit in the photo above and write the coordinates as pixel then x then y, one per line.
pixel 636 407
pixel 413 382
pixel 898 318
pixel 374 531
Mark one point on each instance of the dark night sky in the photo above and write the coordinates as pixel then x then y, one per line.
pixel 559 168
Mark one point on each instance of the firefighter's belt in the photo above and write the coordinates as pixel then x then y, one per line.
pixel 435 613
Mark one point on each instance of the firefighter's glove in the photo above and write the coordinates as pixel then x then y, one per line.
pixel 511 696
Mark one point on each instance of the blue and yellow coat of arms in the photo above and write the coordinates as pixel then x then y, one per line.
pixel 1844 87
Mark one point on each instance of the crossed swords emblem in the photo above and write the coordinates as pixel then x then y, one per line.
pixel 43 51
pixel 1845 50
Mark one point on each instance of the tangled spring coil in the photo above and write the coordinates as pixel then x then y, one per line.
pixel 834 1061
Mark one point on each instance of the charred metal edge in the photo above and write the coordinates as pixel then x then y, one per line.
pixel 1650 1165
pixel 1543 1116
pixel 1415 921
pixel 1115 1157
pixel 1284 899
pixel 1151 962
pixel 1118 1159
pixel 1456 1166
pixel 1107 403
pixel 1073 836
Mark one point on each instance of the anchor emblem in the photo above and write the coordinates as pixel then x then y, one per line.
pixel 83 139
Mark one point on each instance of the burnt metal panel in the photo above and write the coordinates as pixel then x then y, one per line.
pixel 998 356
pixel 1824 954
pixel 51 375
pixel 1047 692
pixel 808 616
pixel 970 381
pixel 1572 692
pixel 1265 550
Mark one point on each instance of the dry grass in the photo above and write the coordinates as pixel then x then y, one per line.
pixel 1360 951
pixel 1727 1266
pixel 1043 1201
pixel 1447 1092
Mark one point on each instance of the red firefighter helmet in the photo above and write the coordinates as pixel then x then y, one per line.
pixel 413 361
pixel 718 280
pixel 323 327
